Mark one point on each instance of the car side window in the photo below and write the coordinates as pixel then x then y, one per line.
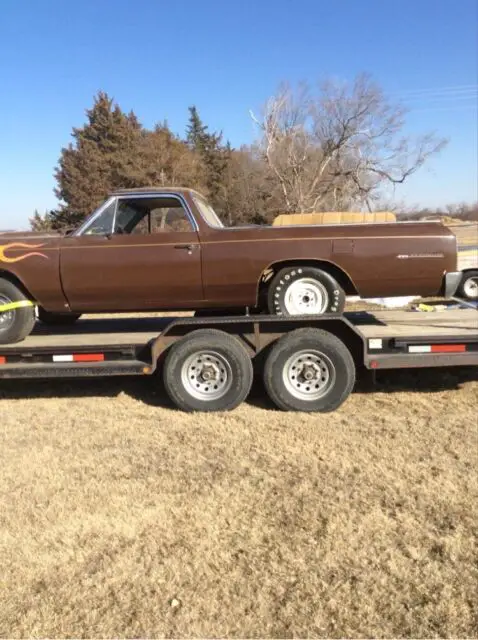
pixel 144 216
pixel 170 218
pixel 129 216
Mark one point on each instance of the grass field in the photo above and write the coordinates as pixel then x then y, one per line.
pixel 121 517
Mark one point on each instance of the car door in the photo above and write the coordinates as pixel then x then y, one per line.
pixel 140 253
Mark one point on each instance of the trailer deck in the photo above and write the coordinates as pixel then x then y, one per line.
pixel 117 331
pixel 323 352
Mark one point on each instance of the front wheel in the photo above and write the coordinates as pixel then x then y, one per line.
pixel 309 370
pixel 17 313
pixel 304 291
pixel 207 370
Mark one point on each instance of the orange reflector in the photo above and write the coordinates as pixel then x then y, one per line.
pixel 88 357
pixel 3 360
pixel 448 348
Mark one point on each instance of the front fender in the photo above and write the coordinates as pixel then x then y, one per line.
pixel 35 267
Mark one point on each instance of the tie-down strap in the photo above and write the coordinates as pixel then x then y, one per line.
pixel 11 306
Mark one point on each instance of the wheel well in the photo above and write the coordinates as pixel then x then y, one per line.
pixel 332 269
pixel 7 275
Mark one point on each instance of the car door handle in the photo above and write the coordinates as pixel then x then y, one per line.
pixel 187 247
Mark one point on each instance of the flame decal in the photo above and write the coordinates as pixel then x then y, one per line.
pixel 20 245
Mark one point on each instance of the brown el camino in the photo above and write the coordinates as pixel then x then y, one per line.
pixel 154 249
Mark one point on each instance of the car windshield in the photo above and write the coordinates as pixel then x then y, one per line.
pixel 207 212
pixel 100 223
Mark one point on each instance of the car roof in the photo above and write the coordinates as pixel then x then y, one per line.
pixel 152 189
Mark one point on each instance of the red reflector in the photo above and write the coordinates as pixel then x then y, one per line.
pixel 88 357
pixel 373 364
pixel 3 360
pixel 448 348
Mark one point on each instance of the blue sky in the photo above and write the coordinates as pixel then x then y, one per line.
pixel 158 57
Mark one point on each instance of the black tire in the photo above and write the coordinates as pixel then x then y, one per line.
pixel 330 363
pixel 464 290
pixel 57 319
pixel 17 324
pixel 219 355
pixel 317 283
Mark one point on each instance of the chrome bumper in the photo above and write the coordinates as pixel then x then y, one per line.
pixel 452 282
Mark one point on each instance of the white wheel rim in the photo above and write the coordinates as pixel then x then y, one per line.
pixel 206 375
pixel 470 287
pixel 308 375
pixel 305 296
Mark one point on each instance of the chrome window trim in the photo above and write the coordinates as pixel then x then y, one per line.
pixel 138 196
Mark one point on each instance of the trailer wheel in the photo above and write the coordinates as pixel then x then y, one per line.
pixel 309 370
pixel 57 319
pixel 303 290
pixel 207 370
pixel 15 324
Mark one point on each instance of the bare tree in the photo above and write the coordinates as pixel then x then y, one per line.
pixel 338 148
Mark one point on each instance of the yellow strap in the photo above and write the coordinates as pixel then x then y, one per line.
pixel 11 306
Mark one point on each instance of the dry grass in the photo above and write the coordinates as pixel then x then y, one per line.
pixel 121 518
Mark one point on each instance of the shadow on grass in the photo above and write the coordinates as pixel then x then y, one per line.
pixel 149 390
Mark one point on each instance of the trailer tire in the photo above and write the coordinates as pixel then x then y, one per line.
pixel 207 370
pixel 17 324
pixel 309 370
pixel 304 290
pixel 57 319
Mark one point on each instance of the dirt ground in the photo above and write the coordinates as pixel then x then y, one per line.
pixel 121 517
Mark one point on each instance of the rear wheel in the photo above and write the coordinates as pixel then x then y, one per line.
pixel 56 319
pixel 304 291
pixel 469 286
pixel 208 370
pixel 16 321
pixel 309 370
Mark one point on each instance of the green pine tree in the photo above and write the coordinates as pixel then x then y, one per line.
pixel 104 156
pixel 213 156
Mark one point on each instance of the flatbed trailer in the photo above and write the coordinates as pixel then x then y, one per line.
pixel 207 363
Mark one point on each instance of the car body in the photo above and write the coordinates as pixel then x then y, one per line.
pixel 154 249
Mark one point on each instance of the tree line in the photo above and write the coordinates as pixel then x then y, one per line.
pixel 333 147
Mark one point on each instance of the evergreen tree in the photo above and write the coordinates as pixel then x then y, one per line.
pixel 103 156
pixel 213 156
pixel 40 222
